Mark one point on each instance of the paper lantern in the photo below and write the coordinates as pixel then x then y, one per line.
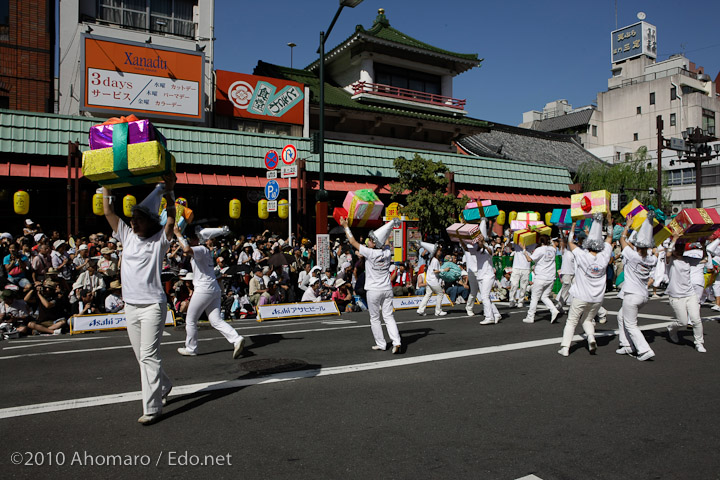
pixel 283 209
pixel 97 204
pixel 548 216
pixel 21 202
pixel 128 203
pixel 513 216
pixel 262 209
pixel 500 220
pixel 235 208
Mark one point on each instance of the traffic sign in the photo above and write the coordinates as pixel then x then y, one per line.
pixel 272 190
pixel 272 206
pixel 289 154
pixel 271 159
pixel 288 172
pixel 270 174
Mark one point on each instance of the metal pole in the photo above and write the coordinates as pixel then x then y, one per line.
pixel 290 211
pixel 698 182
pixel 321 210
pixel 659 157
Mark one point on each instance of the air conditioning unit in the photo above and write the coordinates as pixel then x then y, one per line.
pixel 676 210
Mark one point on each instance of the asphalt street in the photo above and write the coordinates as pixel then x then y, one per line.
pixel 310 400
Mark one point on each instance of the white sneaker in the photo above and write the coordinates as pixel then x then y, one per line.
pixel 459 301
pixel 603 319
pixel 672 335
pixel 519 305
pixel 716 308
pixel 700 348
pixel 165 397
pixel 646 356
pixel 554 316
pixel 184 351
pixel 528 320
pixel 487 321
pixel 421 312
pixel 564 351
pixel 441 314
pixel 237 351
pixel 592 346
pixel 624 351
pixel 396 349
pixel 656 295
pixel 512 305
pixel 470 313
pixel 378 348
pixel 149 419
pixel 498 317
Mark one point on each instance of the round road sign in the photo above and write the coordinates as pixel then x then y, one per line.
pixel 271 160
pixel 289 154
pixel 272 190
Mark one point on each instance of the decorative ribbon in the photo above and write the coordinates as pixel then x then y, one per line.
pixel 120 158
pixel 117 120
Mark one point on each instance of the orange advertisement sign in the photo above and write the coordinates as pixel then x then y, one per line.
pixel 259 98
pixel 127 77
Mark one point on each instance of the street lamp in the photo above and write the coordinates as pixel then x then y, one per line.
pixel 322 195
pixel 291 45
pixel 698 151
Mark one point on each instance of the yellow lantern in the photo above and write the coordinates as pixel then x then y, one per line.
pixel 500 220
pixel 513 216
pixel 283 209
pixel 97 204
pixel 538 215
pixel 235 208
pixel 21 202
pixel 128 203
pixel 262 209
pixel 548 216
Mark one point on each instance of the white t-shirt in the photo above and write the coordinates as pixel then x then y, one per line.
pixel 637 272
pixel 680 285
pixel 697 269
pixel 377 268
pixel 310 296
pixel 519 260
pixel 142 265
pixel 544 258
pixel 430 276
pixel 203 266
pixel 590 274
pixel 568 263
pixel 479 261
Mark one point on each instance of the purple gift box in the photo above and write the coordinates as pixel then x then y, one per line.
pixel 139 131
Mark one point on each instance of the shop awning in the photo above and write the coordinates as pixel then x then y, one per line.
pixel 516 197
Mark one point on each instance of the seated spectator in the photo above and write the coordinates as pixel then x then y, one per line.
pixel 504 285
pixel 41 262
pixel 270 296
pixel 256 286
pixel 183 290
pixel 82 259
pixel 90 279
pixel 312 294
pixel 460 290
pixel 86 303
pixel 52 307
pixel 61 261
pixel 303 279
pixel 401 281
pixel 327 279
pixel 14 311
pixel 107 266
pixel 17 267
pixel 421 284
pixel 114 302
pixel 342 296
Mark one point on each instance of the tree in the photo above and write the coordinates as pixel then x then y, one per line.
pixel 427 199
pixel 636 177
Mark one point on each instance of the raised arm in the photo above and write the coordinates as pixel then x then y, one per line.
pixel 109 209
pixel 187 250
pixel 169 195
pixel 348 234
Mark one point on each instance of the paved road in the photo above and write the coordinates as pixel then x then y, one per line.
pixel 311 400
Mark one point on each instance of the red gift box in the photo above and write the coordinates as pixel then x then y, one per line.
pixel 341 212
pixel 695 223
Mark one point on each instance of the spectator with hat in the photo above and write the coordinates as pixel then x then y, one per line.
pixel 52 307
pixel 256 286
pixel 82 258
pixel 41 262
pixel 106 265
pixel 14 311
pixel 61 261
pixel 113 301
pixel 312 294
pixel 343 296
pixel 183 291
pixel 17 267
pixel 30 228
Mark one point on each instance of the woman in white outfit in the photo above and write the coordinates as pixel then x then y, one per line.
pixel 543 278
pixel 588 288
pixel 520 276
pixel 566 272
pixel 481 277
pixel 638 265
pixel 145 244
pixel 683 297
pixel 433 285
pixel 206 294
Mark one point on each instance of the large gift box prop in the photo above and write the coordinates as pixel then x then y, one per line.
pixel 526 220
pixel 362 206
pixel 125 164
pixel 474 211
pixel 468 233
pixel 561 217
pixel 529 236
pixel 695 223
pixel 340 212
pixel 639 214
pixel 139 131
pixel 583 205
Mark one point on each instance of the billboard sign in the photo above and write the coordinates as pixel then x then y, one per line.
pixel 259 98
pixel 633 41
pixel 150 81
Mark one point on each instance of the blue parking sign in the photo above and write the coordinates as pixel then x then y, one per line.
pixel 272 190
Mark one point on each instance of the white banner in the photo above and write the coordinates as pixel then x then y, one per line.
pixel 403 303
pixel 294 310
pixel 322 247
pixel 107 321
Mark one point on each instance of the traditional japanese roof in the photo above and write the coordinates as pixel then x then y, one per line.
pixel 528 146
pixel 561 123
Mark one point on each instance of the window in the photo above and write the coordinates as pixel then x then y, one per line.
pixel 408 79
pixel 673 93
pixel 638 110
pixel 685 176
pixel 673 120
pixel 652 98
pixel 628 157
pixel 594 130
pixel 708 121
pixel 165 16
pixel 4 20
pixel 5 102
pixel 635 137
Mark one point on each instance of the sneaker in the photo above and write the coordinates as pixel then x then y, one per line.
pixel 57 331
pixel 656 296
pixel 603 319
pixel 700 348
pixel 460 301
pixel 646 356
pixel 470 313
pixel 185 352
pixel 378 348
pixel 421 312
pixel 673 336
pixel 519 305
pixel 396 349
pixel 512 305
pixel 487 321
pixel 716 308
pixel 564 351
pixel 237 351
pixel 528 320
pixel 165 397
pixel 149 419
pixel 592 346
pixel 498 317
pixel 624 351
pixel 441 314
pixel 554 316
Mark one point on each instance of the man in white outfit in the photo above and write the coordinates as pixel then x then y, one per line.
pixel 206 294
pixel 566 272
pixel 433 281
pixel 377 283
pixel 520 276
pixel 481 276
pixel 543 278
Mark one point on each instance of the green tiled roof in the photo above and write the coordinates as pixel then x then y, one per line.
pixel 48 134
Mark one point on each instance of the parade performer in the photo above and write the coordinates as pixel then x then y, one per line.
pixel 588 287
pixel 566 272
pixel 145 244
pixel 481 276
pixel 378 257
pixel 638 265
pixel 543 278
pixel 520 276
pixel 683 297
pixel 207 293
pixel 433 281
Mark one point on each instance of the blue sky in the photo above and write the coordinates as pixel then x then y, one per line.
pixel 534 51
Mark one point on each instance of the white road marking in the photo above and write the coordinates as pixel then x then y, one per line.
pixel 529 477
pixel 72 404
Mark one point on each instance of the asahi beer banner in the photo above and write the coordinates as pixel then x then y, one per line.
pixel 150 81
pixel 294 310
pixel 107 321
pixel 402 303
pixel 259 98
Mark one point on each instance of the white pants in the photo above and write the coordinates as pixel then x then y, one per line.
pixel 145 325
pixel 700 293
pixel 540 291
pixel 687 308
pixel 208 302
pixel 629 333
pixel 564 293
pixel 381 301
pixel 519 278
pixel 483 286
pixel 432 288
pixel 580 310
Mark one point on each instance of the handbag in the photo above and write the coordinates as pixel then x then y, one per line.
pixel 16 270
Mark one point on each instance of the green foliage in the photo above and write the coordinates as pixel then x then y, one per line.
pixel 634 176
pixel 426 200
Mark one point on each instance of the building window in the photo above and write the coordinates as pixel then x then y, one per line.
pixel 594 130
pixel 408 79
pixel 635 137
pixel 673 93
pixel 652 98
pixel 165 16
pixel 4 20
pixel 638 110
pixel 686 176
pixel 628 157
pixel 673 120
pixel 708 122
pixel 617 157
pixel 5 102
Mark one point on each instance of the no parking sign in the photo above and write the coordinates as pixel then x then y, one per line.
pixel 272 159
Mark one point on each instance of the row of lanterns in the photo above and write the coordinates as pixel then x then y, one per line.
pixel 500 220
